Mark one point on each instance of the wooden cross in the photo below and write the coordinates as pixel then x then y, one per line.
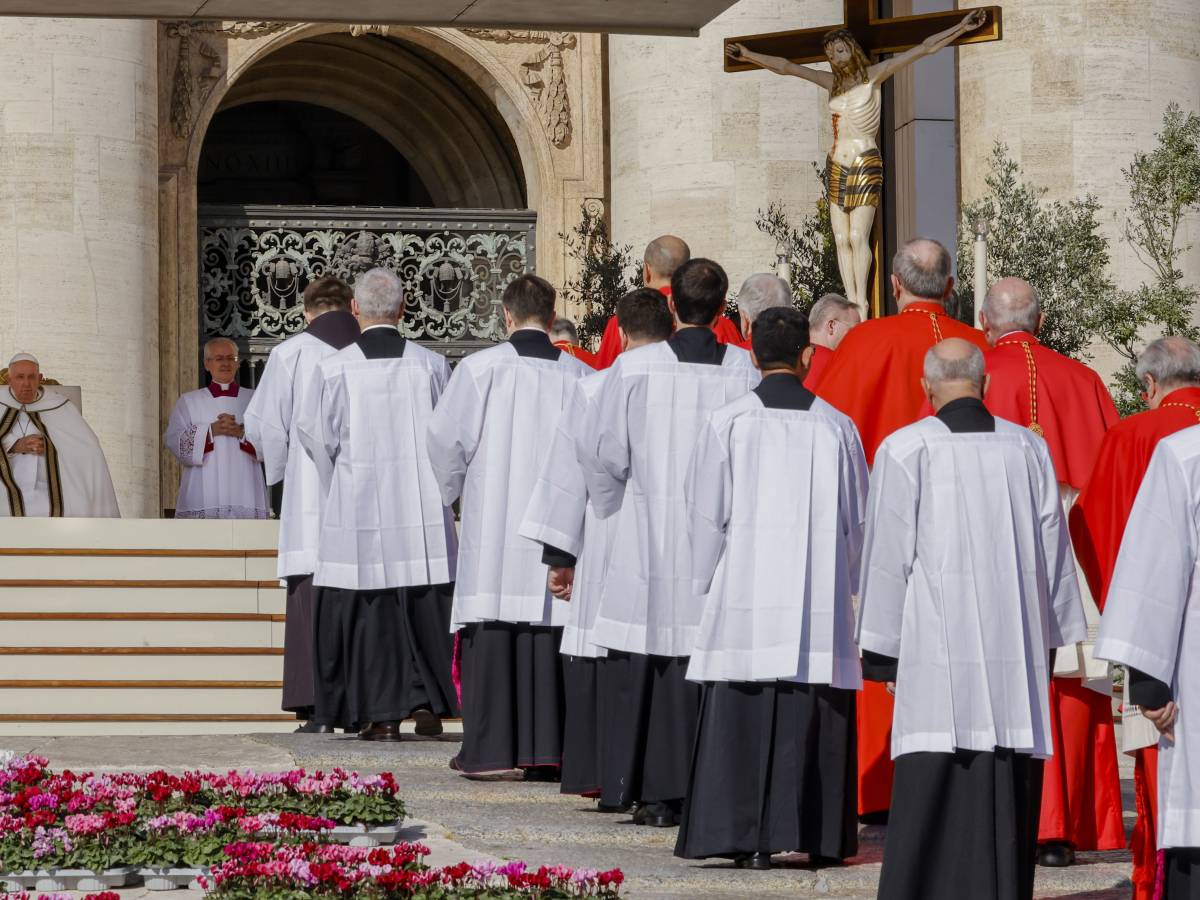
pixel 876 36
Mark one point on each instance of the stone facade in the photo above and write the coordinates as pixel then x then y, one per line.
pixel 79 233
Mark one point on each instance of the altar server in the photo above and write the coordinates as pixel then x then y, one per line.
pixel 874 377
pixel 386 551
pixel 51 463
pixel 1169 372
pixel 221 476
pixel 271 425
pixel 1066 403
pixel 776 498
pixel 487 442
pixel 635 447
pixel 1149 626
pixel 968 586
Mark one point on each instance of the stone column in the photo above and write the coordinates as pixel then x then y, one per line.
pixel 1074 89
pixel 696 152
pixel 79 226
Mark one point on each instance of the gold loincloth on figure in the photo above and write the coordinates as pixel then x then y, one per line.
pixel 856 185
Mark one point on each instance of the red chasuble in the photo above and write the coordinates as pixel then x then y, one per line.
pixel 610 343
pixel 816 366
pixel 874 377
pixel 1097 526
pixel 1067 403
pixel 584 356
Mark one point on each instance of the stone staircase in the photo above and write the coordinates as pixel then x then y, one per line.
pixel 139 627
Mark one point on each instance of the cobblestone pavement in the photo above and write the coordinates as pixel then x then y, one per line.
pixel 504 818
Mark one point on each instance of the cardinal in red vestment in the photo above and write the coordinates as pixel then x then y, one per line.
pixel 875 378
pixel 1067 403
pixel 829 320
pixel 565 337
pixel 1170 371
pixel 663 256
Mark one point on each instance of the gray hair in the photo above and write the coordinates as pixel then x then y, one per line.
pixel 380 295
pixel 1012 304
pixel 941 367
pixel 923 267
pixel 564 330
pixel 762 292
pixel 828 307
pixel 1173 361
pixel 213 342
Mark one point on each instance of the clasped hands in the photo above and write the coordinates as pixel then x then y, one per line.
pixel 227 426
pixel 31 444
pixel 560 581
pixel 1164 719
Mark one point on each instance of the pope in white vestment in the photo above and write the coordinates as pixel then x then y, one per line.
pixel 487 441
pixel 272 421
pixel 1150 626
pixel 968 587
pixel 51 463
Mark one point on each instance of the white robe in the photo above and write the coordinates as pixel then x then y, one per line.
pixel 1150 618
pixel 227 482
pixel 559 514
pixel 85 483
pixel 968 579
pixel 635 449
pixel 776 501
pixel 272 417
pixel 488 438
pixel 383 524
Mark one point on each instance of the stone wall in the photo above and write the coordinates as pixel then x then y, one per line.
pixel 79 226
pixel 697 152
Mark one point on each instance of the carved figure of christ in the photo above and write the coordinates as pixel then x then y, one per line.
pixel 854 168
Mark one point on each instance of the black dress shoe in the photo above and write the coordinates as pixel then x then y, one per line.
pixel 428 725
pixel 547 774
pixel 659 815
pixel 314 728
pixel 455 764
pixel 380 731
pixel 758 861
pixel 1056 855
pixel 613 810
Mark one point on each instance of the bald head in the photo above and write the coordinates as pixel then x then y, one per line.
pixel 1012 304
pixel 953 369
pixel 921 270
pixel 1166 365
pixel 663 256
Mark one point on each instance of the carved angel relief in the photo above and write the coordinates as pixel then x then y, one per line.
pixel 544 74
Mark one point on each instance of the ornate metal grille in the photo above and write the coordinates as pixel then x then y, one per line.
pixel 255 263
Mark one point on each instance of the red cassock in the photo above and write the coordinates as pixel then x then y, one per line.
pixel 610 343
pixel 1097 526
pixel 874 377
pixel 1068 404
pixel 816 366
pixel 584 356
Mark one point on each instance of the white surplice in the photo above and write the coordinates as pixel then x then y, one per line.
pixel 272 417
pixel 635 449
pixel 1150 618
pixel 84 483
pixel 776 502
pixel 559 515
pixel 488 438
pixel 226 482
pixel 383 524
pixel 969 580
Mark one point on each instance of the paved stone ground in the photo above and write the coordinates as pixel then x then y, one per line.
pixel 504 818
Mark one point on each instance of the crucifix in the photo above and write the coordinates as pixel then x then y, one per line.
pixel 854 51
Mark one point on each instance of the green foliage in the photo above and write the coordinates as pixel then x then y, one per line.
pixel 1055 246
pixel 607 272
pixel 808 247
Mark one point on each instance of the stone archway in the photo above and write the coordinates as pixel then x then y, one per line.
pixel 468 111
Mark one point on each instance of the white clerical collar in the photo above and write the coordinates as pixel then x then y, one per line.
pixel 1014 331
pixel 373 327
pixel 537 328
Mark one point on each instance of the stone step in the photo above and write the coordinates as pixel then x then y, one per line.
pixel 140 630
pixel 194 664
pixel 19 564
pixel 228 535
pixel 53 702
pixel 254 599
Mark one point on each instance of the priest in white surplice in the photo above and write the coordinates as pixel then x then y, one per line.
pixel 221 476
pixel 968 587
pixel 1150 626
pixel 271 426
pixel 487 441
pixel 576 547
pixel 776 499
pixel 51 463
pixel 635 449
pixel 386 554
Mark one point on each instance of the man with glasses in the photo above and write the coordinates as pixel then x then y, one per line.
pixel 222 476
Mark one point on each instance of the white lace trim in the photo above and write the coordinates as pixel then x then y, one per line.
pixel 223 512
pixel 187 442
